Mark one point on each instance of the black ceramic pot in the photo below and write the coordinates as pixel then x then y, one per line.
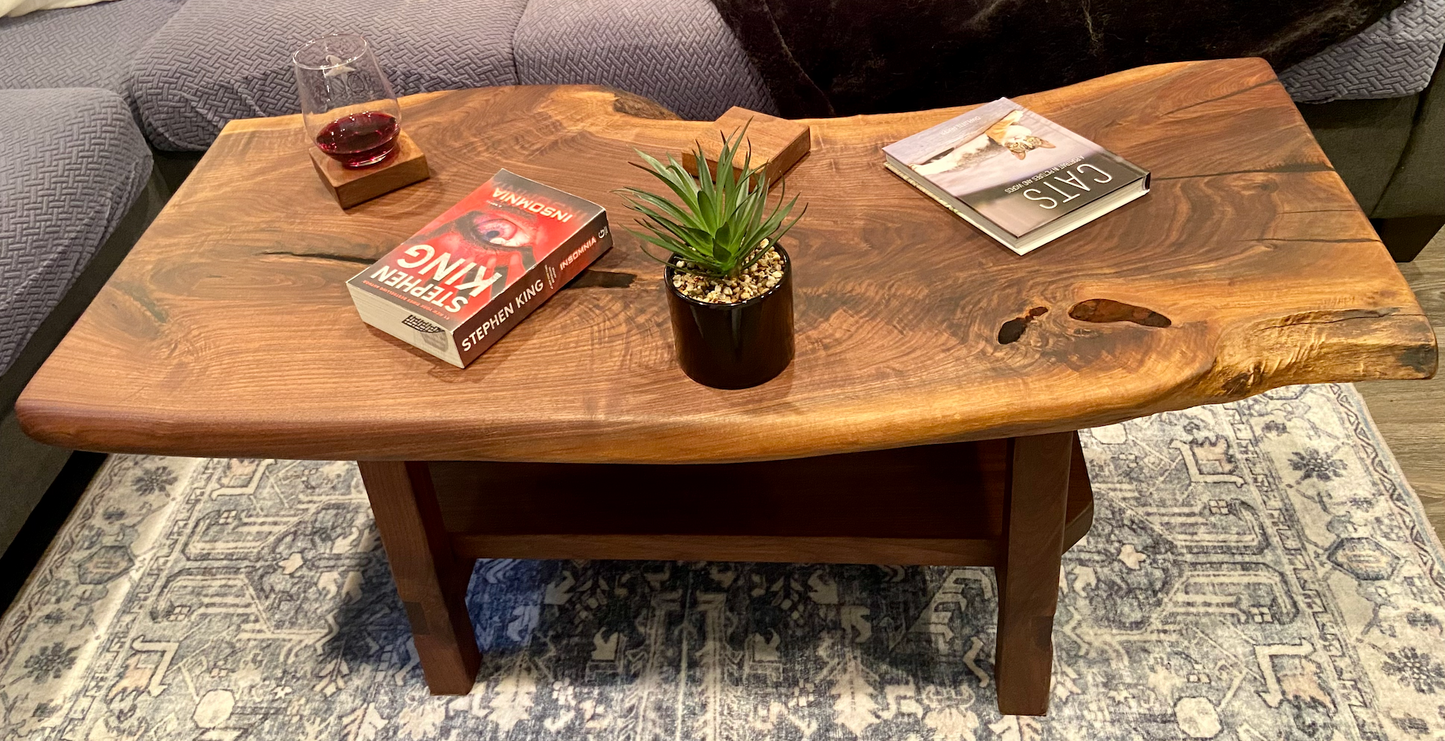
pixel 734 346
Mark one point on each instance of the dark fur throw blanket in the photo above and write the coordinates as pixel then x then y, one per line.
pixel 842 57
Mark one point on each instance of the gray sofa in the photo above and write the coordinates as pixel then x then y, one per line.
pixel 90 96
pixel 678 52
pixel 76 190
pixel 1372 106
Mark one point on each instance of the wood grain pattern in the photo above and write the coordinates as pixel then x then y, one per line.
pixel 1028 570
pixel 353 186
pixel 774 143
pixel 228 331
pixel 430 579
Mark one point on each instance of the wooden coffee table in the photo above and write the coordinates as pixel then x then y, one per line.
pixel 929 416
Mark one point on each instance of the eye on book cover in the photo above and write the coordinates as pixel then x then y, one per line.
pixel 455 287
pixel 1017 170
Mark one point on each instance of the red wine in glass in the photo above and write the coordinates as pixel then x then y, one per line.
pixel 359 139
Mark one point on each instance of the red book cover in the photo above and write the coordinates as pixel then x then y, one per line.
pixel 455 287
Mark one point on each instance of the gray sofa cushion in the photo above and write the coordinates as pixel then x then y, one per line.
pixel 679 53
pixel 218 60
pixel 89 46
pixel 1392 58
pixel 71 164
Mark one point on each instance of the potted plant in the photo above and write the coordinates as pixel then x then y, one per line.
pixel 729 281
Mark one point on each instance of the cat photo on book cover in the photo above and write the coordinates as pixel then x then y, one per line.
pixel 995 146
pixel 1003 136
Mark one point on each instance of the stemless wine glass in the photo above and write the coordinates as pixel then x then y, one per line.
pixel 346 102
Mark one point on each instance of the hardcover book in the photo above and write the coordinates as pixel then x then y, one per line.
pixel 471 275
pixel 1017 176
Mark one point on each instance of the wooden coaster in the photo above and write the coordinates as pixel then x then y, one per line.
pixel 406 166
pixel 776 142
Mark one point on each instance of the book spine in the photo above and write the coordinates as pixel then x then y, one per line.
pixel 539 284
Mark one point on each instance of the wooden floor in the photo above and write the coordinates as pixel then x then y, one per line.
pixel 1411 414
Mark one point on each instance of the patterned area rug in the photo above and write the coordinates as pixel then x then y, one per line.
pixel 1257 570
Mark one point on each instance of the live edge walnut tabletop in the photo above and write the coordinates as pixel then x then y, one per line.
pixel 929 416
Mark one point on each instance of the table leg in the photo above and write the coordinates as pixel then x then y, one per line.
pixel 1028 572
pixel 430 579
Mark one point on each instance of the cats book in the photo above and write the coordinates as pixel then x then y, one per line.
pixel 475 272
pixel 1017 176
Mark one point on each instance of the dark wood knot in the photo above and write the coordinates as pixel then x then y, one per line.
pixel 1014 328
pixel 1103 310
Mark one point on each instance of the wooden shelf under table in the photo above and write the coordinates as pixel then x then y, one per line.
pixel 937 505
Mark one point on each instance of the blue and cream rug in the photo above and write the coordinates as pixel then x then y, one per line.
pixel 1257 570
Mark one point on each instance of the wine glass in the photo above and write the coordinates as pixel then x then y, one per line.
pixel 346 102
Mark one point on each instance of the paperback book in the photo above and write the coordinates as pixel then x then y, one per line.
pixel 1017 176
pixel 475 272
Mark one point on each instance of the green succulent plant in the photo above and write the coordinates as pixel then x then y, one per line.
pixel 721 225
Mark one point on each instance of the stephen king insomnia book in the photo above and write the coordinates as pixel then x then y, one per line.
pixel 475 272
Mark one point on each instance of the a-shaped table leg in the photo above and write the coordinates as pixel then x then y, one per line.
pixel 432 582
pixel 1028 571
